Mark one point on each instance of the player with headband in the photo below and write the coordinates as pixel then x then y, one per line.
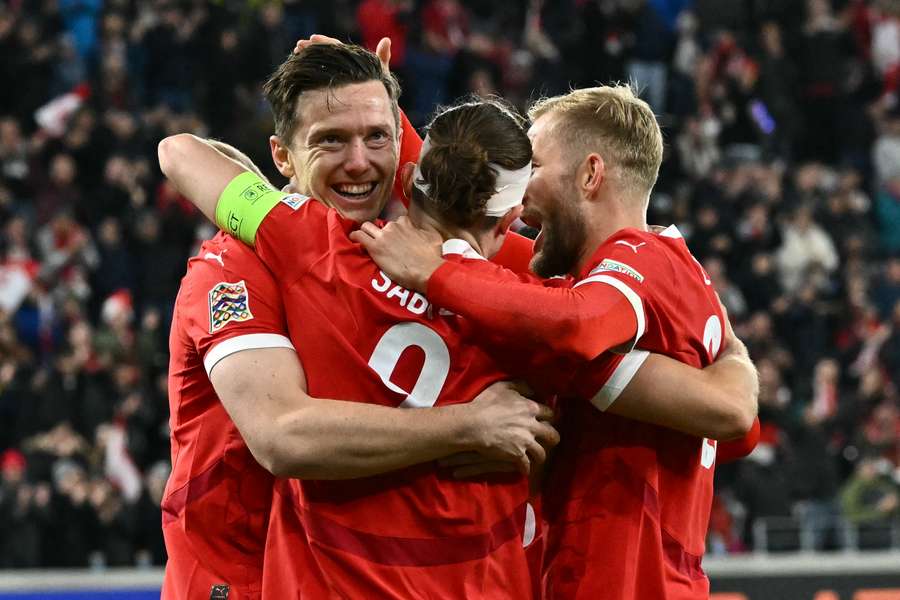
pixel 321 254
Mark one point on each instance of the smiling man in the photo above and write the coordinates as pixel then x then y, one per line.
pixel 340 141
pixel 237 389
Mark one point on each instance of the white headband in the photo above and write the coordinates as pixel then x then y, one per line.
pixel 510 190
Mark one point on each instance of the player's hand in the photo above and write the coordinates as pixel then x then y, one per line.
pixel 316 38
pixel 382 51
pixel 407 254
pixel 508 427
pixel 731 341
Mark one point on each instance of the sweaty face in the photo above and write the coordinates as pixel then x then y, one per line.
pixel 551 203
pixel 345 149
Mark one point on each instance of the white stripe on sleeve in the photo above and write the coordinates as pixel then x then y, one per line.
pixel 620 379
pixel 635 300
pixel 251 341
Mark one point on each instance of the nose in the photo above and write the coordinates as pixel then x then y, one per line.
pixel 356 160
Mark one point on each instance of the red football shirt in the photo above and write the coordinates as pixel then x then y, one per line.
pixel 416 532
pixel 630 501
pixel 217 500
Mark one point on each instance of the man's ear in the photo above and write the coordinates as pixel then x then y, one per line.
pixel 592 175
pixel 281 157
pixel 406 178
pixel 503 225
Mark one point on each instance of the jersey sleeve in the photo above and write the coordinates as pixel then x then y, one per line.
pixel 603 379
pixel 579 322
pixel 410 147
pixel 232 303
pixel 732 450
pixel 287 231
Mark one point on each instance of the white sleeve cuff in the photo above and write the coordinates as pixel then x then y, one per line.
pixel 620 379
pixel 251 341
pixel 636 303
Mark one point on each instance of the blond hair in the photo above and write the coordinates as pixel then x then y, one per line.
pixel 615 123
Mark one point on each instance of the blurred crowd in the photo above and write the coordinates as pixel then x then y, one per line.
pixel 782 126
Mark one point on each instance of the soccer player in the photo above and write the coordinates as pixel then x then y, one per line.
pixel 218 498
pixel 348 137
pixel 338 537
pixel 629 502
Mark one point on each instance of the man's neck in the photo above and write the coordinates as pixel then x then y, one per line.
pixel 603 223
pixel 421 219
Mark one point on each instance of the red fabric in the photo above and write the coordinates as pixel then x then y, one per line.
pixel 341 311
pixel 516 253
pixel 448 21
pixel 12 459
pixel 733 450
pixel 381 18
pixel 410 147
pixel 217 500
pixel 629 503
pixel 580 323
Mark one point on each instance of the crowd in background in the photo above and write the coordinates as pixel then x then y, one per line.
pixel 782 128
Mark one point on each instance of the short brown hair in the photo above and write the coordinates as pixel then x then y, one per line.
pixel 614 122
pixel 466 140
pixel 322 66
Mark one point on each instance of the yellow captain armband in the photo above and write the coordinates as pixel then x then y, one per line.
pixel 244 204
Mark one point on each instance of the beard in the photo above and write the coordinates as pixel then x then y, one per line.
pixel 564 236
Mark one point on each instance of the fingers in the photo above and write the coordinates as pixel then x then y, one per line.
pixel 523 388
pixel 536 453
pixel 547 435
pixel 383 51
pixel 484 469
pixel 371 229
pixel 544 413
pixel 318 38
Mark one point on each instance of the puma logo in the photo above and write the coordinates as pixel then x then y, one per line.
pixel 216 257
pixel 632 246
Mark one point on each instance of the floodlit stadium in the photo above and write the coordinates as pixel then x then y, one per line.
pixel 312 403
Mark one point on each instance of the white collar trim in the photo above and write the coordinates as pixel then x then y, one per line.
pixel 462 247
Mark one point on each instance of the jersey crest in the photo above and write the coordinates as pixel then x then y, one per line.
pixel 228 303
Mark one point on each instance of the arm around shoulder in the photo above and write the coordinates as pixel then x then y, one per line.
pixel 292 434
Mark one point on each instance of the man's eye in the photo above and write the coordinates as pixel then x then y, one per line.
pixel 378 136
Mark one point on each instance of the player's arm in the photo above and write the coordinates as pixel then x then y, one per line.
pixel 580 322
pixel 292 434
pixel 197 170
pixel 718 402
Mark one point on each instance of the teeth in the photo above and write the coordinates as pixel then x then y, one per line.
pixel 349 188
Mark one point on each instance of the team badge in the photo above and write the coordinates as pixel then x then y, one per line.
pixel 219 591
pixel 295 201
pixel 228 303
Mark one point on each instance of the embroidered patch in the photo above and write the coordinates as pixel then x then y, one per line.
pixel 228 303
pixel 295 201
pixel 609 264
pixel 219 591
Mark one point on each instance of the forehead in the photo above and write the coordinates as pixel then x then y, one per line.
pixel 356 106
pixel 541 134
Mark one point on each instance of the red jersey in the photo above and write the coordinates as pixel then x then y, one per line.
pixel 630 501
pixel 413 533
pixel 217 500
